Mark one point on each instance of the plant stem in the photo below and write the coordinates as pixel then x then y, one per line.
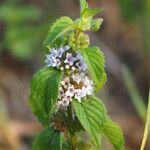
pixel 147 125
pixel 74 142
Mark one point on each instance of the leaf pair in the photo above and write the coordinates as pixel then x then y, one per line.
pixel 92 115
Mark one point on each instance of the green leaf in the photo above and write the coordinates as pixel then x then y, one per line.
pixel 91 113
pixel 87 13
pixel 83 5
pixel 114 134
pixel 96 24
pixel 44 93
pixel 60 27
pixel 94 58
pixel 48 139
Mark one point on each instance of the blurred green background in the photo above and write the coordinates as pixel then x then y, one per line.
pixel 124 38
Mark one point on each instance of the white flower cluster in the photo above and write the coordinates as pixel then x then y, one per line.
pixel 63 58
pixel 75 86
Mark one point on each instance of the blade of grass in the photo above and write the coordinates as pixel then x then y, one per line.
pixel 136 98
pixel 147 125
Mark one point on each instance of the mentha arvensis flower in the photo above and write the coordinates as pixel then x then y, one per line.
pixel 64 58
pixel 76 86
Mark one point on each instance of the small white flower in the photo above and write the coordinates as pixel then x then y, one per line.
pixel 65 102
pixel 67 66
pixel 84 91
pixel 62 68
pixel 87 81
pixel 73 68
pixel 70 91
pixel 61 93
pixel 56 62
pixel 89 90
pixel 76 78
pixel 65 83
pixel 82 75
pixel 79 94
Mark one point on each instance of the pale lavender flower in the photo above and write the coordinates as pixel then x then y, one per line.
pixel 66 100
pixel 48 60
pixel 87 81
pixel 54 57
pixel 78 56
pixel 53 53
pixel 61 93
pixel 69 59
pixel 65 83
pixel 56 62
pixel 79 94
pixel 76 78
pixel 81 65
pixel 60 52
pixel 70 91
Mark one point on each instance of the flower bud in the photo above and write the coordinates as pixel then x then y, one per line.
pixel 82 24
pixel 84 41
pixel 79 41
pixel 96 24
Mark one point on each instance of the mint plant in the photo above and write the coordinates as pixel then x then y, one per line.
pixel 63 92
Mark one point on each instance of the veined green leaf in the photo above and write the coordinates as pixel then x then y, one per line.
pixel 60 27
pixel 94 58
pixel 114 134
pixel 87 13
pixel 83 5
pixel 44 93
pixel 48 139
pixel 91 113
